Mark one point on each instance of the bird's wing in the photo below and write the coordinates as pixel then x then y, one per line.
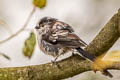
pixel 62 34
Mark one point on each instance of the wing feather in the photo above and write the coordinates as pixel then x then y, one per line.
pixel 63 35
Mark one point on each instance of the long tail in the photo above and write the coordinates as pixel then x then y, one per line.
pixel 92 58
pixel 85 54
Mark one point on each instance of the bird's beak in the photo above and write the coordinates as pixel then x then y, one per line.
pixel 36 27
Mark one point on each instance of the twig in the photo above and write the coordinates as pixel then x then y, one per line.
pixel 30 30
pixel 24 26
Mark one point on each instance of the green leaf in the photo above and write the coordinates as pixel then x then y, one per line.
pixel 39 3
pixel 5 56
pixel 29 45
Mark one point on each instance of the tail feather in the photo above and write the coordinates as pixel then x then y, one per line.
pixel 92 58
pixel 85 54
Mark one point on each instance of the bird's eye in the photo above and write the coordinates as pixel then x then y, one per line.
pixel 37 27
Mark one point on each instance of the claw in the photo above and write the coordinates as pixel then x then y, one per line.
pixel 55 63
pixel 95 71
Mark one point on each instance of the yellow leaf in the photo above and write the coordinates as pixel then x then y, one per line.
pixel 106 61
pixel 112 56
pixel 39 3
pixel 100 64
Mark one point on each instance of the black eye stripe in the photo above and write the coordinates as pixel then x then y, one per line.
pixel 40 23
pixel 45 21
pixel 37 27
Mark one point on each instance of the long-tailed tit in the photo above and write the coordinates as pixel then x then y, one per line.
pixel 56 38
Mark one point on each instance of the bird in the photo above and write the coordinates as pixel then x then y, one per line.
pixel 56 38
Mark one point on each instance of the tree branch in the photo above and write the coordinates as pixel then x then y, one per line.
pixel 106 37
pixel 71 66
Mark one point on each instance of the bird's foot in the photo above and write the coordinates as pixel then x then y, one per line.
pixel 55 63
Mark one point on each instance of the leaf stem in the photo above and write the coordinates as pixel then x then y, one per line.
pixel 20 30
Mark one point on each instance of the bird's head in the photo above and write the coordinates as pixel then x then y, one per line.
pixel 45 22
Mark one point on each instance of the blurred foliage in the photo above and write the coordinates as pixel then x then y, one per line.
pixel 29 45
pixel 39 3
pixel 100 65
pixel 113 56
pixel 5 56
pixel 108 61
